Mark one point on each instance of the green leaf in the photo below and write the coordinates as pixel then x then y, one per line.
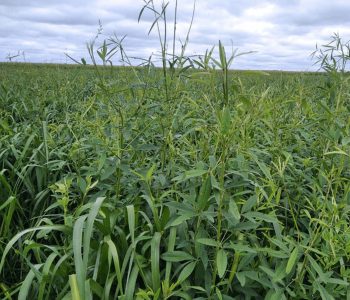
pixel 268 271
pixel 187 271
pixel 155 261
pixel 20 234
pixel 337 281
pixel 221 262
pixel 78 257
pixel 112 249
pixel 26 284
pixel 248 205
pixel 204 193
pixel 194 173
pixel 131 221
pixel 280 273
pixel 233 209
pixel 222 56
pixel 225 121
pixel 317 268
pixel 292 260
pixel 180 219
pixel 74 287
pixel 208 242
pixel 90 226
pixel 190 174
pixel 242 248
pixel 131 284
pixel 241 278
pixel 323 292
pixel 253 215
pixel 177 256
pixel 149 173
pixel 275 295
pixel 171 245
pixel 218 294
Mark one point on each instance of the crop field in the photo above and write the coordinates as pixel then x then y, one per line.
pixel 131 183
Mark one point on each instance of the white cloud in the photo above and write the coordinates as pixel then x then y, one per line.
pixel 282 32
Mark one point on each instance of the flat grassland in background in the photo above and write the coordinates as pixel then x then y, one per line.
pixel 110 189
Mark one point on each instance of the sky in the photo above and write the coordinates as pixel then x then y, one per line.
pixel 282 33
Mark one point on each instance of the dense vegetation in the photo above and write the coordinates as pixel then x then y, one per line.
pixel 188 181
pixel 110 189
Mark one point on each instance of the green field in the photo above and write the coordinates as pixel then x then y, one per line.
pixel 115 184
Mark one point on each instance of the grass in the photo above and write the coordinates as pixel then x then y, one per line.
pixel 108 190
pixel 183 182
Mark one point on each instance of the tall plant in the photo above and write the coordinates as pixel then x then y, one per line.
pixel 224 62
pixel 172 60
pixel 333 58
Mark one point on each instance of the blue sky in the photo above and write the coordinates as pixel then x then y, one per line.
pixel 282 32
